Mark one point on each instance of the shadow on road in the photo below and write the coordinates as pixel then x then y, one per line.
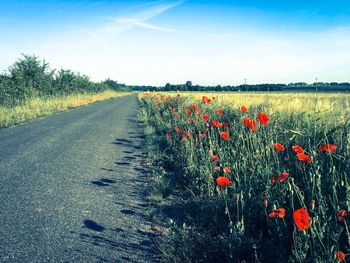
pixel 126 184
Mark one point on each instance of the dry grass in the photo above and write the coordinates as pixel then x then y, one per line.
pixel 38 107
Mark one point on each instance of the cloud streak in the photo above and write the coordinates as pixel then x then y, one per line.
pixel 118 25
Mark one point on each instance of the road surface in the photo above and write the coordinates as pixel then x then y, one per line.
pixel 72 187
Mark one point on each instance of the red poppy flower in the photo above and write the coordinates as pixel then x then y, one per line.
pixel 168 136
pixel 327 148
pixel 283 176
pixel 206 100
pixel 246 121
pixel 227 170
pixel 249 122
pixel 252 125
pixel 280 212
pixel 225 135
pixel 341 215
pixel 194 106
pixel 340 256
pixel 220 111
pixel 279 147
pixel 304 158
pixel 178 130
pixel 216 123
pixel 215 158
pixel 205 117
pixel 244 109
pixel 223 181
pixel 301 219
pixel 187 111
pixel 298 149
pixel 263 118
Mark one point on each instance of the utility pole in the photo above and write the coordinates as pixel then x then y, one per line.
pixel 245 84
pixel 316 85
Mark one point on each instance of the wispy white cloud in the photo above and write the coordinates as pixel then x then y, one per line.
pixel 117 25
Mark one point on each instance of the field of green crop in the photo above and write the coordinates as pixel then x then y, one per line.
pixel 250 177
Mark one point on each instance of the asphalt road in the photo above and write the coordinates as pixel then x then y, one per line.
pixel 72 187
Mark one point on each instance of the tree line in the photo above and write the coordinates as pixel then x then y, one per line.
pixel 30 77
pixel 299 86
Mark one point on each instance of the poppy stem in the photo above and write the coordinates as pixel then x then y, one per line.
pixel 347 231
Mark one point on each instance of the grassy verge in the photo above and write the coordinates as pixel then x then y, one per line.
pixel 226 192
pixel 39 107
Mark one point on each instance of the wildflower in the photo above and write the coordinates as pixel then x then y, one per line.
pixel 327 148
pixel 301 219
pixel 187 111
pixel 215 158
pixel 280 212
pixel 220 111
pixel 168 136
pixel 340 256
pixel 225 135
pixel 216 123
pixel 227 170
pixel 281 178
pixel 201 135
pixel 265 202
pixel 205 117
pixel 223 181
pixel 274 179
pixel 249 122
pixel 279 147
pixel 244 109
pixel 178 130
pixel 217 168
pixel 304 158
pixel 246 121
pixel 341 215
pixel 263 118
pixel 181 105
pixel 206 100
pixel 298 149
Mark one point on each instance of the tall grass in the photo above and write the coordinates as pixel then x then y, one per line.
pixel 42 106
pixel 210 223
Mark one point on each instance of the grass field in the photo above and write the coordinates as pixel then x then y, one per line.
pixel 39 107
pixel 267 182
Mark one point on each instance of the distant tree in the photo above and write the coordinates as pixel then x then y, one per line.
pixel 188 84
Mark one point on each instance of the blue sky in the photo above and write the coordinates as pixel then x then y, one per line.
pixel 207 42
